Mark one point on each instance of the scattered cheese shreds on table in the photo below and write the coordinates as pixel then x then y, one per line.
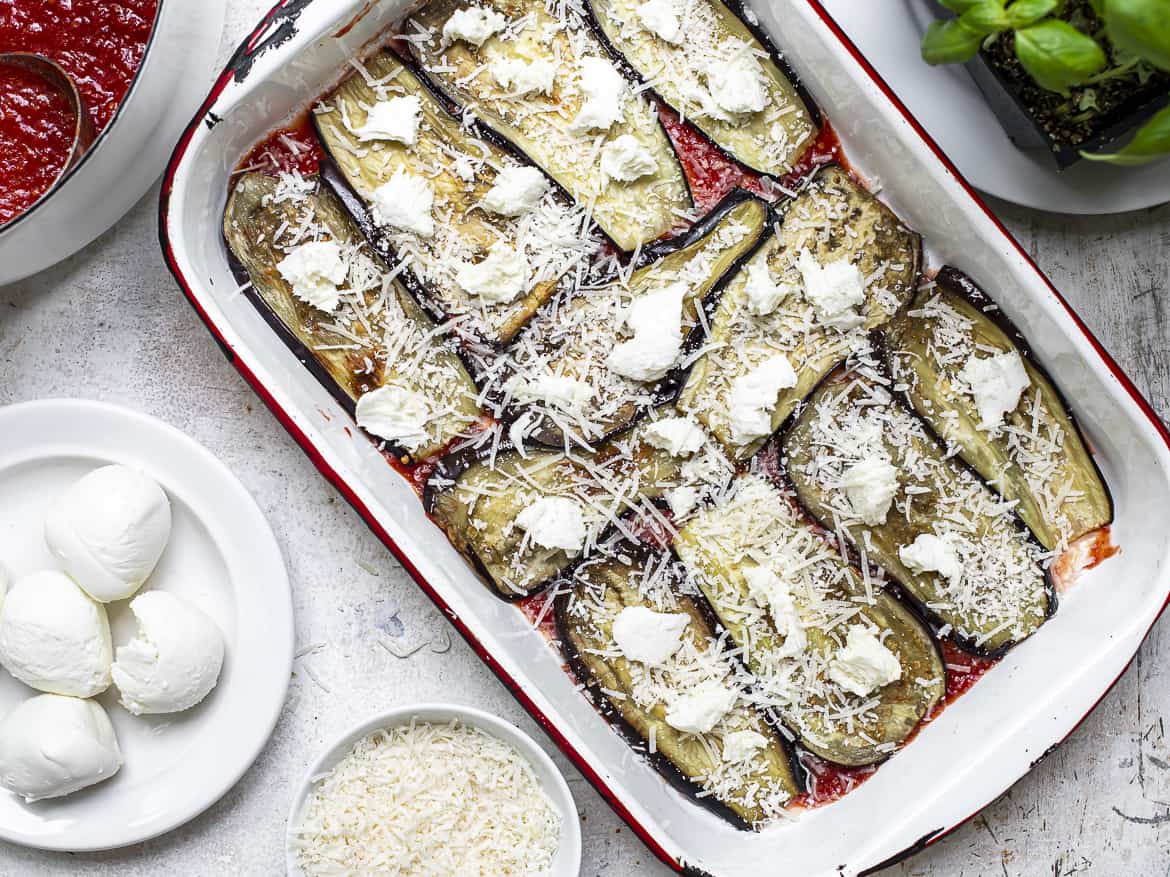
pixel 429 800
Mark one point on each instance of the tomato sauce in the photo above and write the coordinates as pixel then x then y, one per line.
pixel 100 44
pixel 36 136
pixel 295 148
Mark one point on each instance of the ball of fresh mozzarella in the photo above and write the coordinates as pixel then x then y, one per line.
pixel 52 745
pixel 109 530
pixel 174 660
pixel 54 637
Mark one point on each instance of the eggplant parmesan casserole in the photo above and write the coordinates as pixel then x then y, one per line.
pixel 597 277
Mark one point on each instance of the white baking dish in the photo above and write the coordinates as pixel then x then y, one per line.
pixel 957 764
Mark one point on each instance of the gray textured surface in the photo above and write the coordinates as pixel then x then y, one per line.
pixel 110 324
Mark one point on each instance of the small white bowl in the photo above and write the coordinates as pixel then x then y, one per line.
pixel 567 862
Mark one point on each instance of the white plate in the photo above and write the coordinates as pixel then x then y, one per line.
pixel 958 763
pixel 950 107
pixel 222 557
pixel 567 862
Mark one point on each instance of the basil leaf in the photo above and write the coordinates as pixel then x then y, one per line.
pixel 1141 27
pixel 1025 12
pixel 1057 55
pixel 1151 141
pixel 1098 7
pixel 950 42
pixel 986 18
pixel 960 6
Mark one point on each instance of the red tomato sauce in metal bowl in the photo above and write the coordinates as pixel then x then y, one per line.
pixel 100 44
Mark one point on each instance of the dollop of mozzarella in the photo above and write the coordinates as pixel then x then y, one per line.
pixel 930 553
pixel 678 436
pixel 604 89
pixel 742 745
pixel 763 293
pixel 772 593
pixel 682 500
pixel 395 413
pixel 109 530
pixel 394 119
pixel 54 637
pixel 174 660
pixel 499 278
pixel 737 85
pixel 701 709
pixel 649 637
pixel 661 18
pixel 864 665
pixel 870 486
pixel 625 159
pixel 997 382
pixel 521 78
pixel 753 397
pixel 313 271
pixel 554 522
pixel 656 321
pixel 516 190
pixel 52 745
pixel 405 201
pixel 474 25
pixel 835 290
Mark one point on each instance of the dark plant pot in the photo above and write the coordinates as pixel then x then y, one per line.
pixel 1027 132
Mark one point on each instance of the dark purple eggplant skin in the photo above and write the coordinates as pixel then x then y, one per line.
pixel 957 281
pixel 666 390
pixel 665 768
pixel 772 461
pixel 486 133
pixel 744 14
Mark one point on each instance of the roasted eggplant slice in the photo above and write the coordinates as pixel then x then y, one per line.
pixel 771 309
pixel 577 367
pixel 1035 456
pixel 524 516
pixel 750 787
pixel 791 603
pixel 374 338
pixel 709 65
pixel 486 204
pixel 543 81
pixel 865 465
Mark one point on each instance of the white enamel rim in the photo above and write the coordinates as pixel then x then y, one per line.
pixel 130 153
pixel 224 735
pixel 956 765
pixel 567 862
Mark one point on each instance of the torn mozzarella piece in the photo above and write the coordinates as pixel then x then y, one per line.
pixel 395 413
pixel 604 88
pixel 678 436
pixel 625 159
pixel 864 665
pixel 701 709
pixel 500 278
pixel 405 202
pixel 753 398
pixel 763 293
pixel 394 119
pixel 313 270
pixel 929 553
pixel 835 290
pixel 661 18
pixel 473 25
pixel 554 522
pixel 997 382
pixel 870 486
pixel 737 84
pixel 742 745
pixel 561 391
pixel 656 321
pixel 772 593
pixel 649 637
pixel 682 500
pixel 516 190
pixel 521 78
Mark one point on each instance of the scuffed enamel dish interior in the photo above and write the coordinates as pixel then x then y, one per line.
pixel 958 763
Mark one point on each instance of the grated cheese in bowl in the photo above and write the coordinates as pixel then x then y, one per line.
pixel 428 799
